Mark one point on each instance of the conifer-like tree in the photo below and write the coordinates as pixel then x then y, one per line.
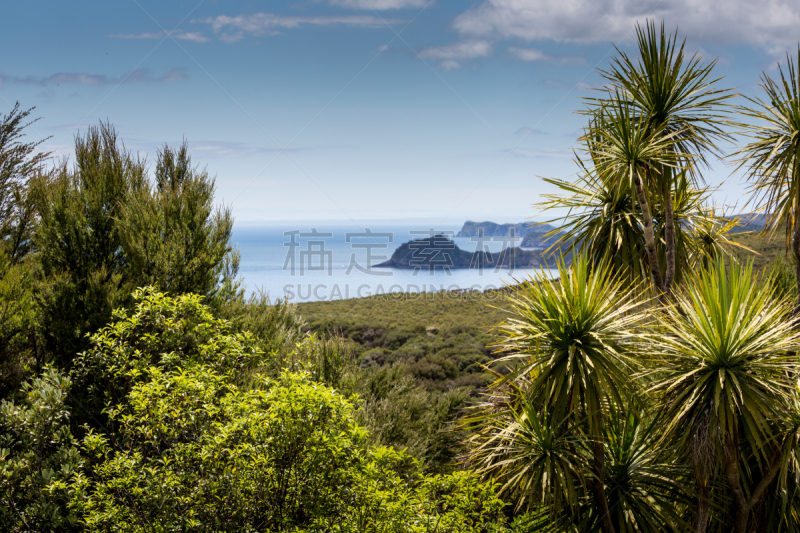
pixel 106 229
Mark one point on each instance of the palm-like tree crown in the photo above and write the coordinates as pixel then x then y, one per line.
pixel 575 335
pixel 671 92
pixel 723 355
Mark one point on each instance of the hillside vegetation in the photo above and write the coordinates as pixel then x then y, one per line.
pixel 443 338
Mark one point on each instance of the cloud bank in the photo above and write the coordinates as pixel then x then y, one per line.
pixel 530 54
pixel 451 55
pixel 767 23
pixel 194 37
pixel 141 75
pixel 380 5
pixel 232 29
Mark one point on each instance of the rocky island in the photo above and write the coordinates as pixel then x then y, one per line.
pixel 439 251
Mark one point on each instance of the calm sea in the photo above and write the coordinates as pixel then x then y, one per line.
pixel 310 263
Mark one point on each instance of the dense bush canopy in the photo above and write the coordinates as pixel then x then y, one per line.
pixel 651 387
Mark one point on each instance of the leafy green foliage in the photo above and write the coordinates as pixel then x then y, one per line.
pixel 781 274
pixel 38 458
pixel 673 93
pixel 722 370
pixel 605 223
pixel 637 202
pixel 564 428
pixel 772 157
pixel 441 338
pixel 19 350
pixel 196 453
pixel 533 454
pixel 608 411
pixel 19 164
pixel 420 359
pixel 170 333
pixel 399 413
pixel 724 350
pixel 574 338
pixel 276 325
pixel 79 248
pixel 278 456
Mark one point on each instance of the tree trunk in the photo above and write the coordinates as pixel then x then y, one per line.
pixel 598 487
pixel 649 236
pixel 703 509
pixel 703 496
pixel 730 459
pixel 669 232
pixel 796 250
pixel 742 505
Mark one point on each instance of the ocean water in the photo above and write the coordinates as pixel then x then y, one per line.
pixel 305 263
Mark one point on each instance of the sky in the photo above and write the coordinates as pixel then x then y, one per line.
pixel 362 110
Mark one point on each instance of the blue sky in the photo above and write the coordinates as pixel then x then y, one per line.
pixel 360 109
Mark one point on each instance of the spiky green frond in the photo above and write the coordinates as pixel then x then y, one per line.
pixel 624 146
pixel 604 222
pixel 672 92
pixel 646 485
pixel 722 356
pixel 532 455
pixel 772 159
pixel 576 336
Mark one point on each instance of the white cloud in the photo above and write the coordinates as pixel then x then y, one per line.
pixel 452 54
pixel 141 75
pixel 210 148
pixel 379 4
pixel 525 130
pixel 449 64
pixel 461 50
pixel 563 85
pixel 767 23
pixel 530 54
pixel 232 29
pixel 583 86
pixel 195 37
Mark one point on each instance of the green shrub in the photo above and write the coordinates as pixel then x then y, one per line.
pixel 104 229
pixel 38 458
pixel 781 274
pixel 397 337
pixel 400 413
pixel 167 332
pixel 196 453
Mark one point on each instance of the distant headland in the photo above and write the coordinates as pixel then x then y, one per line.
pixel 440 252
pixel 532 235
